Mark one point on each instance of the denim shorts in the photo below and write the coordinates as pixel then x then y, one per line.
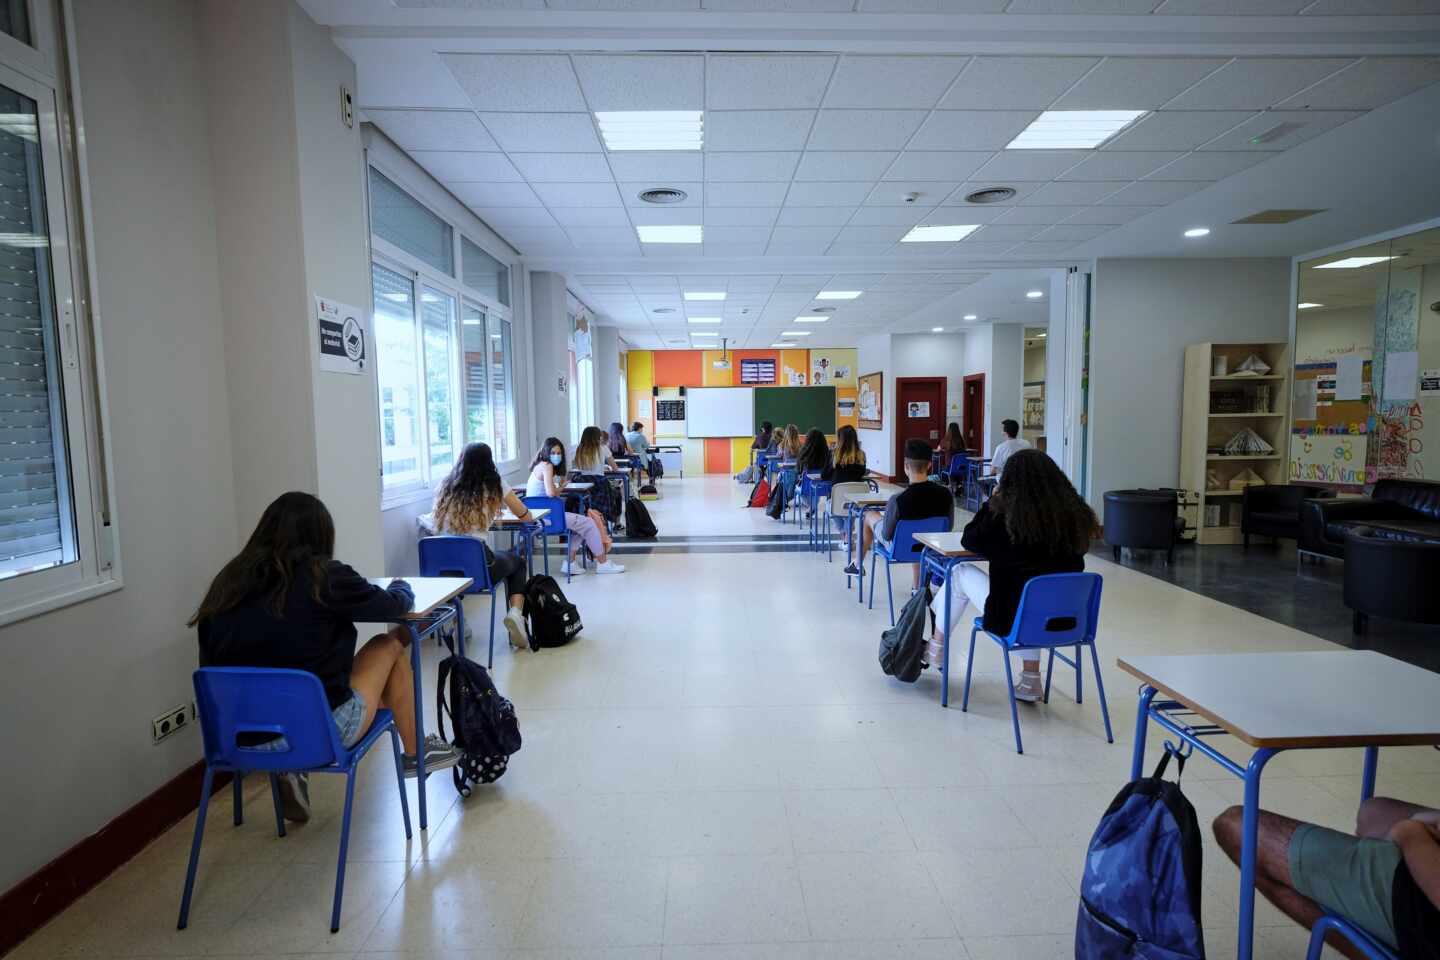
pixel 348 717
pixel 1349 876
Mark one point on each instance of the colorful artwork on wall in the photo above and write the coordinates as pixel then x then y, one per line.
pixel 871 401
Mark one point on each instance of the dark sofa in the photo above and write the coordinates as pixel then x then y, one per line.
pixel 1273 510
pixel 1404 510
pixel 1393 578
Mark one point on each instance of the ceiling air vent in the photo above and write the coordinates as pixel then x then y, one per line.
pixel 822 309
pixel 663 195
pixel 991 195
pixel 663 310
pixel 1277 216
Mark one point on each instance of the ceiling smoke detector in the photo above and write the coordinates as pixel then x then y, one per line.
pixel 663 195
pixel 991 195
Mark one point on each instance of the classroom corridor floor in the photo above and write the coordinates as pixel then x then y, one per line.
pixel 717 769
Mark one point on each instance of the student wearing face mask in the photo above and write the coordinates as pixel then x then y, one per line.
pixel 547 479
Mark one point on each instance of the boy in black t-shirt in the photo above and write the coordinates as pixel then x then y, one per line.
pixel 919 501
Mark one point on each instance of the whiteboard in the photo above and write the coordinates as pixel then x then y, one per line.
pixel 719 411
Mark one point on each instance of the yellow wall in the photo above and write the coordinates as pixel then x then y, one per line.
pixel 712 377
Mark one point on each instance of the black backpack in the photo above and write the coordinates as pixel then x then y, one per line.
pixel 551 620
pixel 656 468
pixel 648 490
pixel 775 508
pixel 485 727
pixel 638 525
pixel 902 647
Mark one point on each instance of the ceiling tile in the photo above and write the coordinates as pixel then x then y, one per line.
pixel 1046 165
pixel 590 216
pixel 1330 8
pixel 1135 83
pixel 895 193
pixel 563 167
pixel 1312 124
pixel 780 6
pixel 871 234
pixel 745 194
pixel 1370 83
pixel 858 249
pixel 1113 216
pixel 1037 249
pixel 751 167
pixel 1255 83
pixel 500 217
pixel 826 194
pixel 765 81
pixel 1233 7
pixel 662 216
pixel 1043 216
pixel 1119 165
pixel 1015 83
pixel 864 129
pixel 592 236
pixel 1006 232
pixel 450 166
pixel 543 132
pixel 933 6
pixel 862 81
pixel 495 194
pixel 1082 6
pixel 630 194
pixel 757 130
pixel 526 81
pixel 887 216
pixel 797 248
pixel 971 129
pixel 751 249
pixel 1178 129
pixel 1156 191
pixel 944 165
pixel 741 216
pixel 1071 233
pixel 642 82
pixel 925 249
pixel 815 216
pixel 843 165
pixel 659 167
pixel 578 194
pixel 433 129
pixel 1208 166
pixel 1070 192
pixel 527 239
pixel 972 248
pixel 760 235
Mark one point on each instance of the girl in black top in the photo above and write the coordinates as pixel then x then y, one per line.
pixel 1034 524
pixel 848 465
pixel 814 455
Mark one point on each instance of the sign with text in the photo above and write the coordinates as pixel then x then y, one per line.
pixel 1328 458
pixel 342 336
pixel 757 371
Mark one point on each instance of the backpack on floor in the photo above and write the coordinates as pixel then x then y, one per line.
pixel 656 468
pixel 648 491
pixel 483 723
pixel 638 525
pixel 550 619
pixel 760 494
pixel 1140 893
pixel 902 647
pixel 775 508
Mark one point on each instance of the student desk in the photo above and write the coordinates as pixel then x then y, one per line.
pixel 855 510
pixel 435 606
pixel 525 528
pixel 1282 701
pixel 942 554
pixel 624 477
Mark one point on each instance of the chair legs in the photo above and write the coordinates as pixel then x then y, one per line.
pixel 205 786
pixel 344 849
pixel 490 658
pixel 1010 692
pixel 239 802
pixel 400 777
pixel 1100 689
pixel 275 799
pixel 872 580
pixel 969 667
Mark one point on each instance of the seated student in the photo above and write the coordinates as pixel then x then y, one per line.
pixel 814 455
pixel 1008 447
pixel 848 465
pixel 619 447
pixel 1385 879
pixel 285 602
pixel 790 442
pixel 919 501
pixel 1034 524
pixel 466 504
pixel 763 438
pixel 951 444
pixel 593 461
pixel 640 446
pixel 547 479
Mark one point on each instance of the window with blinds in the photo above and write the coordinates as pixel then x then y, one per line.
pixel 36 516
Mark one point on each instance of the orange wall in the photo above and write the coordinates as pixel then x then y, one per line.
pixel 678 368
pixel 717 455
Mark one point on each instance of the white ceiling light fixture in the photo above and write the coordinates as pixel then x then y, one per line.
pixel 795 333
pixel 670 233
pixel 838 294
pixel 1073 129
pixel 811 319
pixel 704 319
pixel 1198 232
pixel 1034 294
pixel 1351 263
pixel 704 295
pixel 939 233
pixel 781 346
pixel 1308 306
pixel 651 129
pixel 937 329
pixel 970 316
pixel 703 333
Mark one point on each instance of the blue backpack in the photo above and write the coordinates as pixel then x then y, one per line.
pixel 1140 895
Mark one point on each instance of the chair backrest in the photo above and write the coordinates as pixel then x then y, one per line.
pixel 233 701
pixel 904 548
pixel 554 522
pixel 455 557
pixel 840 494
pixel 1057 610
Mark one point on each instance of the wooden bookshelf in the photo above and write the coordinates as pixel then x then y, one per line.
pixel 1215 408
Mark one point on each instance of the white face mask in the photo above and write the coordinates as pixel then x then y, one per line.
pixel 555 458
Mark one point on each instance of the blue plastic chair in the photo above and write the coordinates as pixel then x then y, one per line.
pixel 461 557
pixel 553 525
pixel 291 703
pixel 902 549
pixel 1366 944
pixel 812 491
pixel 1056 610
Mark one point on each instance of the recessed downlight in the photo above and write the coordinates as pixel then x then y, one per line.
pixel 937 329
pixel 705 295
pixel 1198 232
pixel 970 316
pixel 663 310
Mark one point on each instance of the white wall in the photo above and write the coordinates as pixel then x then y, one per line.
pixel 1146 311
pixel 97 672
pixel 1060 380
pixel 609 391
pixel 873 354
pixel 934 355
pixel 1323 335
pixel 976 359
pixel 1035 362
pixel 1005 382
pixel 550 333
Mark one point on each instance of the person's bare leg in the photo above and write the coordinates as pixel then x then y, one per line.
pixel 1272 868
pixel 381 675
pixel 1378 814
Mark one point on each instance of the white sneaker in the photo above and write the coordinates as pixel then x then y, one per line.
pixel 516 629
pixel 1029 689
pixel 568 568
pixel 609 566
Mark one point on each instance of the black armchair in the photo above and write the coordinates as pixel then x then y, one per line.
pixel 1143 519
pixel 1391 578
pixel 1395 509
pixel 1273 510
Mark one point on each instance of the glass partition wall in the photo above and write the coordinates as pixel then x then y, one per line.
pixel 1366 401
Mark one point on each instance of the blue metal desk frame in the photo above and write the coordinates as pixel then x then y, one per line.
pixel 419 630
pixel 855 514
pixel 943 567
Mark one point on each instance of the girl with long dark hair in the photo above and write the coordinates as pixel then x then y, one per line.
pixel 547 479
pixel 814 453
pixel 592 453
pixel 284 601
pixel 952 443
pixel 1034 524
pixel 466 504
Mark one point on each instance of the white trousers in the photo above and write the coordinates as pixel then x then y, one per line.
pixel 968 585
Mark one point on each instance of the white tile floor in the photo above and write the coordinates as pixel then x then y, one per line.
pixel 717 769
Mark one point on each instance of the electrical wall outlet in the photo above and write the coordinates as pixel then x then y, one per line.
pixel 172 720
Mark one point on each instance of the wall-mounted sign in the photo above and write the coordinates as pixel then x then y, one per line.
pixel 342 336
pixel 757 371
pixel 669 409
pixel 919 409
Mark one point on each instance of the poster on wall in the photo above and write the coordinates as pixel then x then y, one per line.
pixel 342 337
pixel 919 409
pixel 1328 458
pixel 871 401
pixel 757 371
pixel 1429 383
pixel 833 367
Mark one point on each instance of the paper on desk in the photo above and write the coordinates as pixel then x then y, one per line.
pixel 1304 399
pixel 1402 370
pixel 1349 377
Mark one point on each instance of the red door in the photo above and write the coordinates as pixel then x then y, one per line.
pixel 920 413
pixel 973 408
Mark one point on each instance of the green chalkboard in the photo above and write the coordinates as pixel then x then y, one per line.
pixel 805 407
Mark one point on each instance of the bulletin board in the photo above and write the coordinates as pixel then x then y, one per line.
pixel 806 407
pixel 1328 441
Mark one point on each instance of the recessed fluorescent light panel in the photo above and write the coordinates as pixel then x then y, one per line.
pixel 1350 263
pixel 668 233
pixel 970 316
pixel 702 333
pixel 651 129
pixel 1198 232
pixel 939 233
pixel 795 333
pixel 937 329
pixel 811 319
pixel 780 346
pixel 704 319
pixel 838 294
pixel 1308 306
pixel 702 295
pixel 1073 129
pixel 1034 294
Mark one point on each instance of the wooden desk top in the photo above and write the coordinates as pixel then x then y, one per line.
pixel 870 500
pixel 1325 698
pixel 579 486
pixel 430 592
pixel 946 544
